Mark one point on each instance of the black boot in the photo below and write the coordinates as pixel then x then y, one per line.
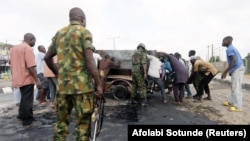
pixel 198 99
pixel 195 96
pixel 132 101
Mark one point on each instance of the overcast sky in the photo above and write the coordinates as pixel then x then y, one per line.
pixel 163 25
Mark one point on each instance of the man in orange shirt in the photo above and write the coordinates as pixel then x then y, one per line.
pixel 52 80
pixel 24 76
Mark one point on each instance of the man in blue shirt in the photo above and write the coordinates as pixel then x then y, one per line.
pixel 166 66
pixel 167 74
pixel 236 70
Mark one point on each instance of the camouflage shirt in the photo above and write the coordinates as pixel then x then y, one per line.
pixel 69 44
pixel 138 59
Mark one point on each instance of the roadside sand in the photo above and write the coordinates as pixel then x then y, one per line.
pixel 216 111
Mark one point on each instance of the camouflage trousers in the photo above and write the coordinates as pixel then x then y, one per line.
pixel 83 105
pixel 197 80
pixel 138 85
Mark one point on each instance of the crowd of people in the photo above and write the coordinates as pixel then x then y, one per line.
pixel 171 71
pixel 163 69
pixel 70 71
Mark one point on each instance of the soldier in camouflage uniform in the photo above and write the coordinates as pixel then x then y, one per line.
pixel 139 74
pixel 76 70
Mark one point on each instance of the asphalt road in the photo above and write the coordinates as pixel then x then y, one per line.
pixel 118 115
pixel 7 99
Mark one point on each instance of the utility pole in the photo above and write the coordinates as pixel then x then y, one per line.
pixel 208 53
pixel 113 38
pixel 213 53
pixel 5 48
pixel 220 53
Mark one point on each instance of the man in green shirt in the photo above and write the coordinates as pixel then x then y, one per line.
pixel 139 74
pixel 75 73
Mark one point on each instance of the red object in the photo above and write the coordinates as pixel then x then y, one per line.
pixel 160 71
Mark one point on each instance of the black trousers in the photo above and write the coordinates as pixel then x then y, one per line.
pixel 203 85
pixel 26 104
pixel 178 91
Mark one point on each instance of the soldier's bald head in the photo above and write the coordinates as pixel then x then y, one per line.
pixel 76 14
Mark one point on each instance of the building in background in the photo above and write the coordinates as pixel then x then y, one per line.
pixel 4 58
pixel 247 63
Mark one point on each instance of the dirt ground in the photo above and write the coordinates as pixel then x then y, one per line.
pixel 118 114
pixel 216 111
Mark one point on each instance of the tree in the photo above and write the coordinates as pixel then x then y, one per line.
pixel 217 59
pixel 214 59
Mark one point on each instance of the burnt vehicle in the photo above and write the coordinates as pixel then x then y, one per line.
pixel 119 79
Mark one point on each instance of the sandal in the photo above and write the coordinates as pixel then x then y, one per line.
pixel 53 106
pixel 44 103
pixel 228 104
pixel 234 109
pixel 197 101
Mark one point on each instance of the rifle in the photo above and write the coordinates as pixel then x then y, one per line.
pixel 142 70
pixel 98 115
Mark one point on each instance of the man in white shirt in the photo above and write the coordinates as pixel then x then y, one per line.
pixel 40 72
pixel 154 70
pixel 17 96
pixel 97 57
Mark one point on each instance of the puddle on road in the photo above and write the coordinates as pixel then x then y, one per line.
pixel 122 112
pixel 119 112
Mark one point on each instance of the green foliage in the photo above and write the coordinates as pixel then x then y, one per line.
pixel 214 59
